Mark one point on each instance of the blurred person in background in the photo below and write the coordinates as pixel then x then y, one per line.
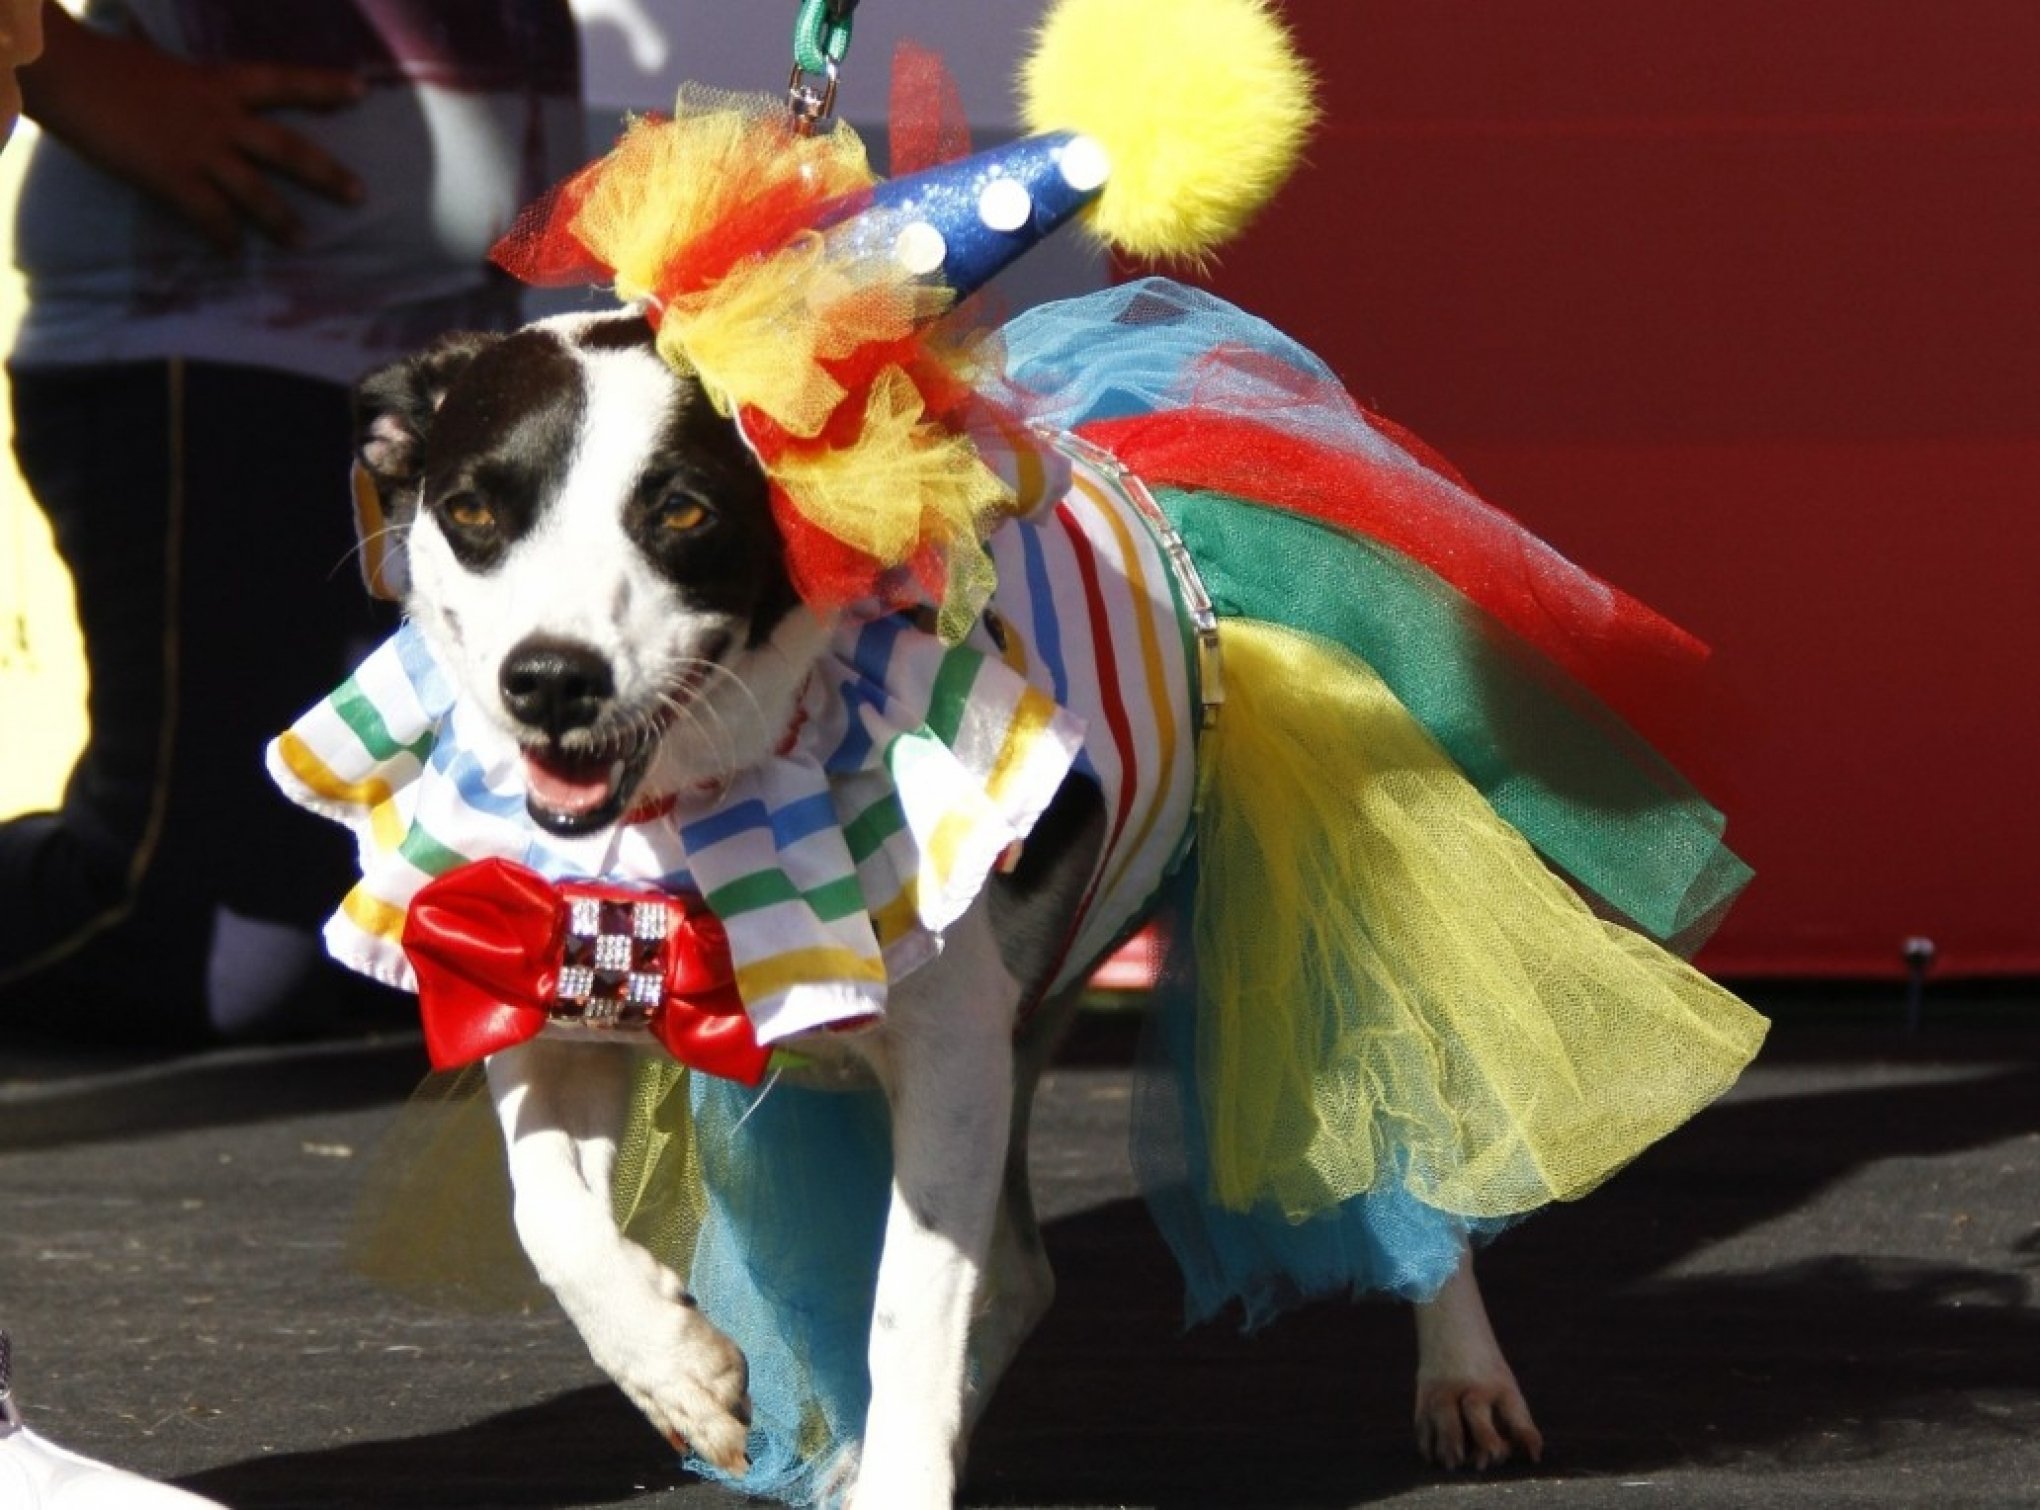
pixel 35 1472
pixel 21 41
pixel 235 209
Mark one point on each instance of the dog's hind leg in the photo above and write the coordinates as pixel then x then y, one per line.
pixel 562 1108
pixel 1470 1412
pixel 1019 1282
pixel 1031 908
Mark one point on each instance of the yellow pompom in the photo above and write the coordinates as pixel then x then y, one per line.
pixel 1202 106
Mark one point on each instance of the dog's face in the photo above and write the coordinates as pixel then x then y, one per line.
pixel 592 553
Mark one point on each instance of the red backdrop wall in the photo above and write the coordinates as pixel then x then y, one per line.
pixel 1738 303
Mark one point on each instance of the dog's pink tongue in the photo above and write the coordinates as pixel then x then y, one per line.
pixel 571 787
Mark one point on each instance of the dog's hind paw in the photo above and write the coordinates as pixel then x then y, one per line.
pixel 1470 1412
pixel 1476 1422
pixel 690 1380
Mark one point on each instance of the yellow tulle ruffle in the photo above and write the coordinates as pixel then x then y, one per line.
pixel 671 185
pixel 822 344
pixel 433 1220
pixel 905 485
pixel 816 305
pixel 1395 987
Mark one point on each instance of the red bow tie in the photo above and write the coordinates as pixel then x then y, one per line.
pixel 500 951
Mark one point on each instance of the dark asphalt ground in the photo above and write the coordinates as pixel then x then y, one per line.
pixel 1822 1292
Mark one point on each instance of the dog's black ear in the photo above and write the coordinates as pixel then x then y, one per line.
pixel 394 405
pixel 393 409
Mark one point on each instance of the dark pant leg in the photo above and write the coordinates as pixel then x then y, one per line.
pixel 203 513
pixel 95 448
pixel 283 618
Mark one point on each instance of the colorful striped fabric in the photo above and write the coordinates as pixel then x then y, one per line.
pixel 1094 614
pixel 837 866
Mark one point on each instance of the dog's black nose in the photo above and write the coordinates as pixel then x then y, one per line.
pixel 555 685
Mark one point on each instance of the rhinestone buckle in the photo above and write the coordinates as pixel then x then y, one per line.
pixel 615 958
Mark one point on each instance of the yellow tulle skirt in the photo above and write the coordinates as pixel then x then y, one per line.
pixel 1394 987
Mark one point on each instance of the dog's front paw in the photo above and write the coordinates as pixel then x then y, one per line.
pixel 1475 1420
pixel 688 1378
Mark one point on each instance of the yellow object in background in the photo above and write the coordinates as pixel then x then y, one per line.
pixel 42 663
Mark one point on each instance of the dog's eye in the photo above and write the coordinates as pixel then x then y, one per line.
pixel 681 513
pixel 468 511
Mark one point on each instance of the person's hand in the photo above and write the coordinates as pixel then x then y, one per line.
pixel 191 136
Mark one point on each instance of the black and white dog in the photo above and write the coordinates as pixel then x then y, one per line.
pixel 592 553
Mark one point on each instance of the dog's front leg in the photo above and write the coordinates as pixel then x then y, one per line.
pixel 947 1068
pixel 562 1108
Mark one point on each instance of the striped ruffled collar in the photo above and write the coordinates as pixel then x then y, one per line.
pixel 835 865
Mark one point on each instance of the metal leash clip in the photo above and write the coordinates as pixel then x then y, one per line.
pixel 821 36
pixel 810 106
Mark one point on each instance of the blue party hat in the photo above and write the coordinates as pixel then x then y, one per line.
pixel 963 222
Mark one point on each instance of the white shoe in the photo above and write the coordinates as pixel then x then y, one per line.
pixel 39 1475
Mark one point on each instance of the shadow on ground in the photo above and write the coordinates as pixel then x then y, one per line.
pixel 1636 1358
pixel 584 1447
pixel 1641 1352
pixel 48 1102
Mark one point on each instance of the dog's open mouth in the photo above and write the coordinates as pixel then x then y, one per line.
pixel 570 793
pixel 587 779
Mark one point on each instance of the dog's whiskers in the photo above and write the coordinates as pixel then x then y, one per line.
pixel 706 726
pixel 706 721
pixel 360 547
pixel 759 1099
